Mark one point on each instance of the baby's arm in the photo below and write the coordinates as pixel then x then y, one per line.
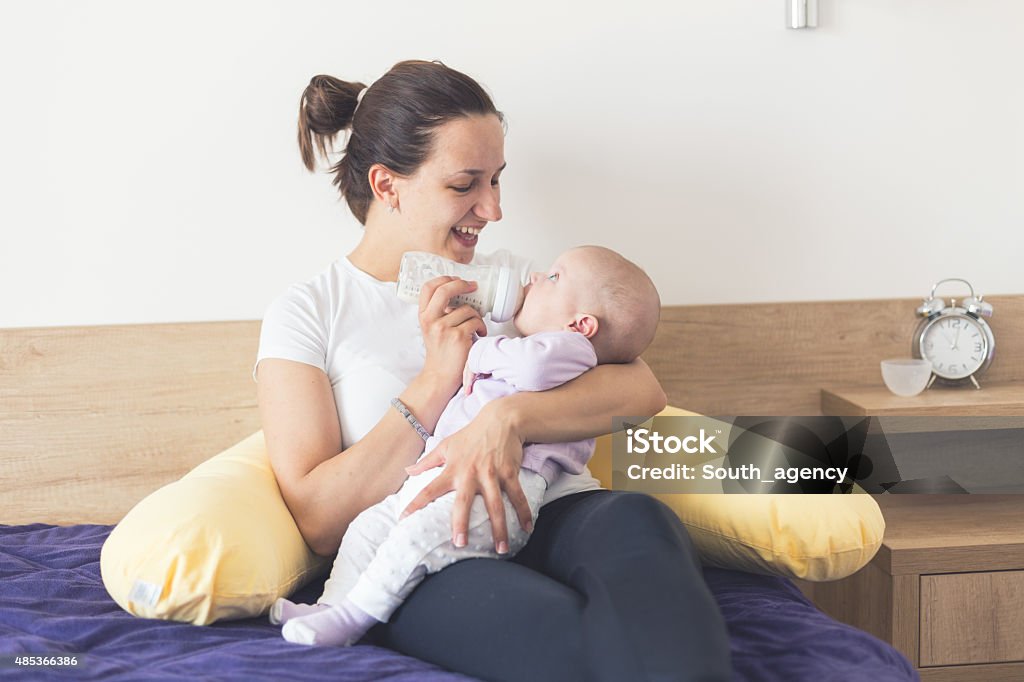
pixel 533 363
pixel 573 456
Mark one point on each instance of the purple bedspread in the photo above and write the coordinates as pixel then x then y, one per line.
pixel 52 601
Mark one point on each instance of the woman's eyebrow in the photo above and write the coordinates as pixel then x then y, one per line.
pixel 475 171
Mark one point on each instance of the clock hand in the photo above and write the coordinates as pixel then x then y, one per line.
pixel 956 340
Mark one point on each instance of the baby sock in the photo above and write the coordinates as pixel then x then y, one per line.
pixel 283 610
pixel 340 625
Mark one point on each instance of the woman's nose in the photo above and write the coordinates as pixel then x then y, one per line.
pixel 534 276
pixel 489 207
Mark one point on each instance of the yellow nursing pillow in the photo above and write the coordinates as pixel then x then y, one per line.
pixel 220 543
pixel 217 544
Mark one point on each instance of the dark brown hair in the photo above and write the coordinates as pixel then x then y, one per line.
pixel 393 125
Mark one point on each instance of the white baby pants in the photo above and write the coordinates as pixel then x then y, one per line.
pixel 382 559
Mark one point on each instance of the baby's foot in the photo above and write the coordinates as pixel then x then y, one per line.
pixel 334 626
pixel 283 610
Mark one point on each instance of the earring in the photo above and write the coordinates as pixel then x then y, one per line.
pixel 391 207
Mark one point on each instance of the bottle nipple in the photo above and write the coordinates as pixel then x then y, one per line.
pixel 508 296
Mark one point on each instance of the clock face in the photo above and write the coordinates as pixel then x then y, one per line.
pixel 955 344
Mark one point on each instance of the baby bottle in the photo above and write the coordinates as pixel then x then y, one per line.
pixel 498 290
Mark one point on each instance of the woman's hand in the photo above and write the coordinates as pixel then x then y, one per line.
pixel 447 332
pixel 483 458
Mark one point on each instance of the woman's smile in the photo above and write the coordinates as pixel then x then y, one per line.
pixel 466 235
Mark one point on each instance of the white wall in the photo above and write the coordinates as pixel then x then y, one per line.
pixel 150 171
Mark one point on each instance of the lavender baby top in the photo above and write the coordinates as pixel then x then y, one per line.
pixel 529 363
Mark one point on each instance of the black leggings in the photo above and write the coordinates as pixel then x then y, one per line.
pixel 608 588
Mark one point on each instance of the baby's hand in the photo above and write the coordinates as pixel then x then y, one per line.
pixel 469 377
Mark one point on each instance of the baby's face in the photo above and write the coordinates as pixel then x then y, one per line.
pixel 551 300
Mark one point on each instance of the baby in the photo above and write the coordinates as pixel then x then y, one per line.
pixel 593 307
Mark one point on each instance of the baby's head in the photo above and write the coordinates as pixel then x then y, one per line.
pixel 598 293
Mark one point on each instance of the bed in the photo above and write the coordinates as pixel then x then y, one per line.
pixel 92 419
pixel 53 603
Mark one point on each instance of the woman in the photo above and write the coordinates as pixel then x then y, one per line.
pixel 609 586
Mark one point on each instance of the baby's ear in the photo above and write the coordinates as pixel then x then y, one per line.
pixel 585 324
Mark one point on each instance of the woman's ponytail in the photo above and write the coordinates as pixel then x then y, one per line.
pixel 326 108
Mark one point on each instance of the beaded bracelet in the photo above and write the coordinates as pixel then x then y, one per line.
pixel 400 406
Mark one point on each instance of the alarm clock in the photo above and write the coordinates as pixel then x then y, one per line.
pixel 955 339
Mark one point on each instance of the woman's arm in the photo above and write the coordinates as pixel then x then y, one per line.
pixel 584 408
pixel 324 487
pixel 484 457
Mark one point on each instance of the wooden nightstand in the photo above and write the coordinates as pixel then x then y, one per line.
pixel 947 586
pixel 993 400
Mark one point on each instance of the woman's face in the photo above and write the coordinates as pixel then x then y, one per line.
pixel 455 193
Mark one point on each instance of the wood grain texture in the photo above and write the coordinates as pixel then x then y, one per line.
pixel 995 672
pixel 905 616
pixel 992 400
pixel 774 358
pixel 93 419
pixel 972 618
pixel 951 533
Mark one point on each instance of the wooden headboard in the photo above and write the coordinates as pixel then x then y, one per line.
pixel 774 358
pixel 92 419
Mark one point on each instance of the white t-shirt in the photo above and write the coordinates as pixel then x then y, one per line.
pixel 368 342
